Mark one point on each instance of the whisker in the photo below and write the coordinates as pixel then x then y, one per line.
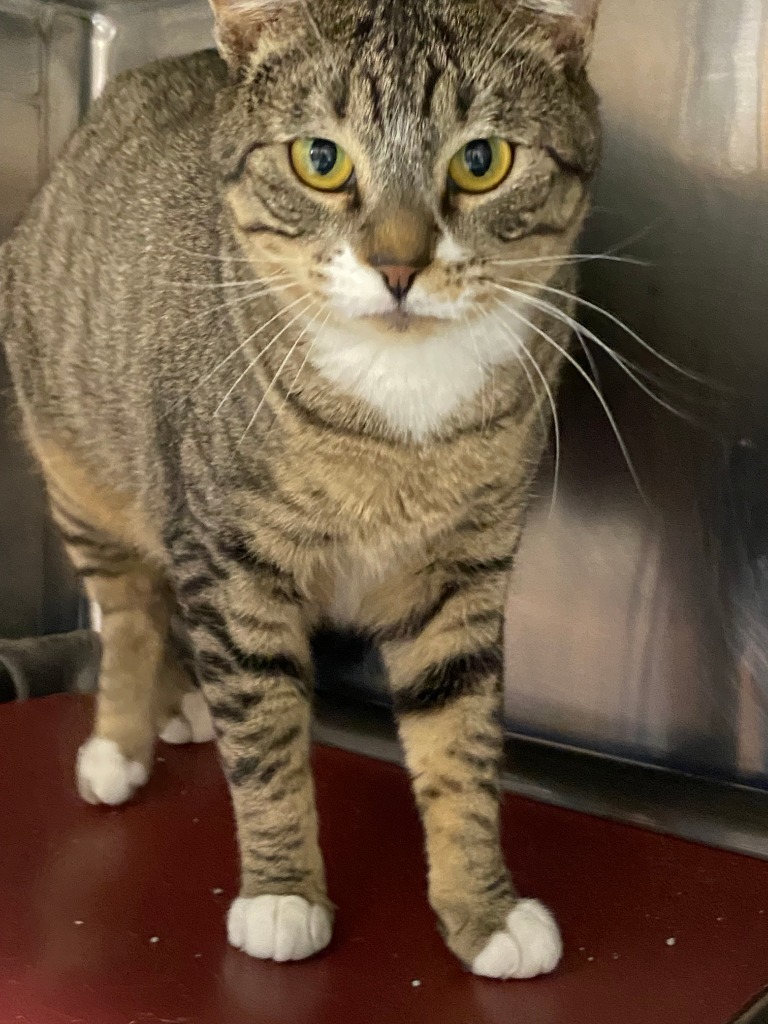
pixel 593 387
pixel 308 353
pixel 553 405
pixel 585 257
pixel 483 398
pixel 280 369
pixel 219 285
pixel 228 304
pixel 214 257
pixel 266 348
pixel 690 374
pixel 624 364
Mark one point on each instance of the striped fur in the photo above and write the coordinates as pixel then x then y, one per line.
pixel 220 488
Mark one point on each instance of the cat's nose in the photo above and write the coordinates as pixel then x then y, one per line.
pixel 399 278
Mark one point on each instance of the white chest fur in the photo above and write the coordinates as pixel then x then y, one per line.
pixel 416 384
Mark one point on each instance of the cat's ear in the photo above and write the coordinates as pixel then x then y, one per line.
pixel 573 25
pixel 242 24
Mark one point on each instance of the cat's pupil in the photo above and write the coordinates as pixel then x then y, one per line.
pixel 478 156
pixel 323 156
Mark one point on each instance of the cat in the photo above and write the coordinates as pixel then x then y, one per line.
pixel 276 329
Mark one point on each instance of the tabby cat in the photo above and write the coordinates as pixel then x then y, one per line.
pixel 276 329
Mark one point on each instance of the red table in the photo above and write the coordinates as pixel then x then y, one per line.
pixel 117 916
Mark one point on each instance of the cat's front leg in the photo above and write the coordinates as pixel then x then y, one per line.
pixel 445 660
pixel 247 628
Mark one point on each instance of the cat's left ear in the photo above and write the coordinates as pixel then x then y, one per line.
pixel 573 25
pixel 241 25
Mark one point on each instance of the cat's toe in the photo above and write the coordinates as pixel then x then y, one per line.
pixel 279 927
pixel 193 724
pixel 529 945
pixel 105 775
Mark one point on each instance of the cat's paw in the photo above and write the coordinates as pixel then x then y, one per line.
pixel 279 927
pixel 529 945
pixel 105 775
pixel 193 723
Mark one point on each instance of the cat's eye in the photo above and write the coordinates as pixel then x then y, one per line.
pixel 481 165
pixel 321 164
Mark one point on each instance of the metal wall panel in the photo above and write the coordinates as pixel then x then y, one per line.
pixel 637 630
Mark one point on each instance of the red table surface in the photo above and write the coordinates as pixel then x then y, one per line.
pixel 117 916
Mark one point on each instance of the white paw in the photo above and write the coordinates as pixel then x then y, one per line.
pixel 530 945
pixel 278 927
pixel 193 725
pixel 104 775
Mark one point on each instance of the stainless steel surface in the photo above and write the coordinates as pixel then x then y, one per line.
pixel 642 632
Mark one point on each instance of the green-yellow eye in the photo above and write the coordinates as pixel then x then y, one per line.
pixel 321 164
pixel 481 165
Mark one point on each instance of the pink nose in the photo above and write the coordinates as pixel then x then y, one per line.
pixel 398 278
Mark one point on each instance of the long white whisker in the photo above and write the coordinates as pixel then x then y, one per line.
pixel 224 285
pixel 553 405
pixel 473 337
pixel 276 377
pixel 580 370
pixel 620 324
pixel 579 329
pixel 308 353
pixel 587 257
pixel 268 346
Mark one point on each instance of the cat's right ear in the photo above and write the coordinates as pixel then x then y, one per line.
pixel 241 25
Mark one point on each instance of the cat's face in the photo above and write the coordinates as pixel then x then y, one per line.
pixel 388 159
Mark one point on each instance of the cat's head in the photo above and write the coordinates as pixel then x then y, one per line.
pixel 388 159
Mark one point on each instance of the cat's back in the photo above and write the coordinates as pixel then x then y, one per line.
pixel 79 276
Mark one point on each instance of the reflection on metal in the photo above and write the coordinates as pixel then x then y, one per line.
pixel 635 631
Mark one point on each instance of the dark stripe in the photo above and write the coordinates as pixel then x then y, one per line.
pixel 236 547
pixel 202 614
pixel 412 625
pixel 284 740
pixel 226 712
pixel 213 665
pixel 482 821
pixel 270 771
pixel 236 172
pixel 446 682
pixel 244 768
pixel 288 878
pixel 280 217
pixel 452 785
pixel 193 586
pixel 489 618
pixel 375 94
pixel 483 568
pixel 465 96
pixel 434 75
pixel 498 885
pixel 340 100
pixel 274 667
pixel 582 173
pixel 490 789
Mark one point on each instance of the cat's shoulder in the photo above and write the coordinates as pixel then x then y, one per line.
pixel 163 90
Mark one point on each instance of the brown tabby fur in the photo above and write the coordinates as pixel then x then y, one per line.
pixel 124 296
